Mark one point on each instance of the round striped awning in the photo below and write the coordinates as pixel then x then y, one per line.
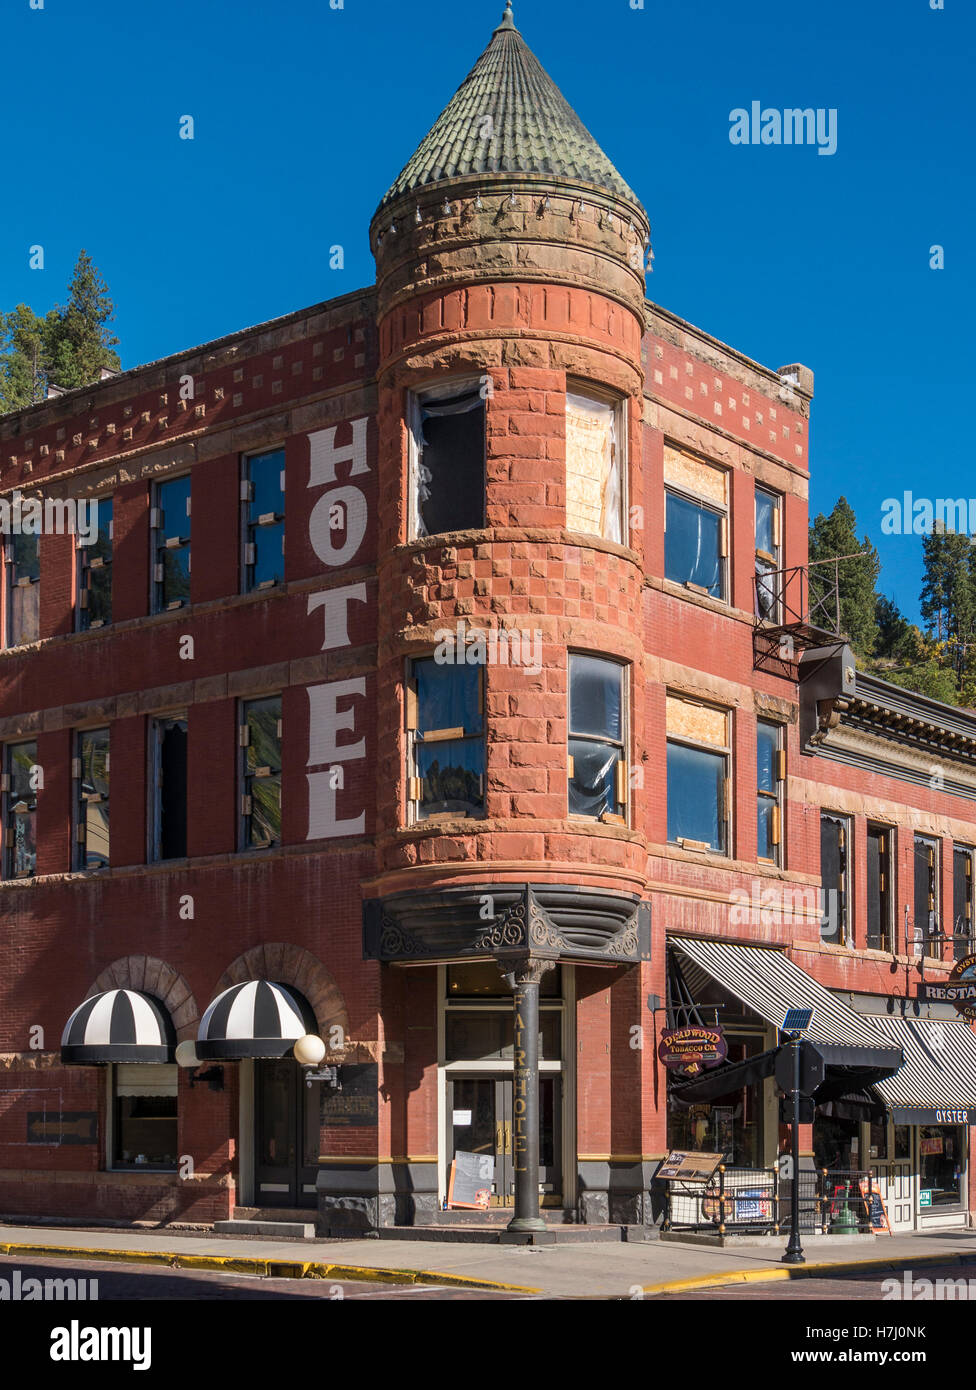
pixel 120 1025
pixel 254 1019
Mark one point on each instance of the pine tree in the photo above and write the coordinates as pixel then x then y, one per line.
pixel 24 358
pixel 80 342
pixel 831 536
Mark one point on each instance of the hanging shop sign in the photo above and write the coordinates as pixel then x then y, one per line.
pixel 959 989
pixel 689 1051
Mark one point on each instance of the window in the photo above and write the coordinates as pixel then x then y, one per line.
pixel 95 572
pixel 768 561
pixel 263 507
pixel 446 744
pixel 770 775
pixel 20 778
pixel 23 572
pixel 447 458
pixel 597 738
pixel 170 521
pixel 695 524
pixel 144 1121
pixel 594 466
pixel 879 885
pixel 260 736
pixel 834 879
pixel 699 787
pixel 167 782
pixel 962 901
pixel 91 774
pixel 942 1163
pixel 926 893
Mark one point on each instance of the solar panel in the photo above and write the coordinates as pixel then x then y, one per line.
pixel 797 1020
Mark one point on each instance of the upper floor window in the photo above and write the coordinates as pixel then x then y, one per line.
pixel 962 901
pixel 770 776
pixel 447 458
pixel 167 784
pixel 597 738
pixel 699 771
pixel 926 893
pixel 170 523
pixel 445 739
pixel 594 465
pixel 696 524
pixel 23 572
pixel 20 780
pixel 768 554
pixel 260 739
pixel 263 507
pixel 91 778
pixel 95 571
pixel 835 834
pixel 879 886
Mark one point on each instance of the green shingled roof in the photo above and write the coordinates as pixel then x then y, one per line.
pixel 532 129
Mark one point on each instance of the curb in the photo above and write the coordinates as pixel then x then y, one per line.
pixel 269 1269
pixel 807 1271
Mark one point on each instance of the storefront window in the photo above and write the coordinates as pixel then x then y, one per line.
pixel 731 1124
pixel 903 1141
pixel 144 1115
pixel 879 1141
pixel 942 1162
pixel 836 1143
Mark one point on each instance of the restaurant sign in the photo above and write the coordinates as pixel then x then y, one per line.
pixel 959 989
pixel 689 1050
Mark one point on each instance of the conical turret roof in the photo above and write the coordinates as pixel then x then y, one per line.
pixel 509 117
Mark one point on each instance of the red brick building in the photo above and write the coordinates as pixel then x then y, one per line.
pixel 420 635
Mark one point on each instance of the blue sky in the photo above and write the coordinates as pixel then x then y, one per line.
pixel 304 114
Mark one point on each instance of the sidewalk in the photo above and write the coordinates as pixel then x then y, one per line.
pixel 595 1270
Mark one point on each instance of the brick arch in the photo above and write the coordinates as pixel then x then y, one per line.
pixel 152 976
pixel 292 965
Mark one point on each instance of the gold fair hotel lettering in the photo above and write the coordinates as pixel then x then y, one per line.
pixel 336 530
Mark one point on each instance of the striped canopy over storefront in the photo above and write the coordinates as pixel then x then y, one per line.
pixel 254 1019
pixel 121 1025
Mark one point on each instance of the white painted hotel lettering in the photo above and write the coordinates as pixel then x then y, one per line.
pixel 342 508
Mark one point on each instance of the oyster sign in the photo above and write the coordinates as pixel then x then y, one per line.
pixel 690 1050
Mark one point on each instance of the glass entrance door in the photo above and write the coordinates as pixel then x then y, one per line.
pixel 890 1155
pixel 286 1134
pixel 479 1120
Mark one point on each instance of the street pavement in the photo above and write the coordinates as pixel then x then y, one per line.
pixel 598 1269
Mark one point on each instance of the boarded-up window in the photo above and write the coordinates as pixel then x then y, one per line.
pixel 593 469
pixel 926 889
pixel 691 475
pixel 23 589
pixel 699 789
pixel 447 458
pixel 879 888
pixel 696 524
pixel 962 901
pixel 834 833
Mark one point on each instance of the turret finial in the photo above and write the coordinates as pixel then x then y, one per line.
pixel 508 21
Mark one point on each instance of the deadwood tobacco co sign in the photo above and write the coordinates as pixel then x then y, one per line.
pixel 689 1050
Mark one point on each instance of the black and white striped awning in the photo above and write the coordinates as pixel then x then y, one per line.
pixel 769 983
pixel 254 1019
pixel 120 1025
pixel 937 1084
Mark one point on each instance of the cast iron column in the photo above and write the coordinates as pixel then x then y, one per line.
pixel 525 980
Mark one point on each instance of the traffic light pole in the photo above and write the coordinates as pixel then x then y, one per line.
pixel 794 1250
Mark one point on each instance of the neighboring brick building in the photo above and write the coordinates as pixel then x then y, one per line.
pixel 271 771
